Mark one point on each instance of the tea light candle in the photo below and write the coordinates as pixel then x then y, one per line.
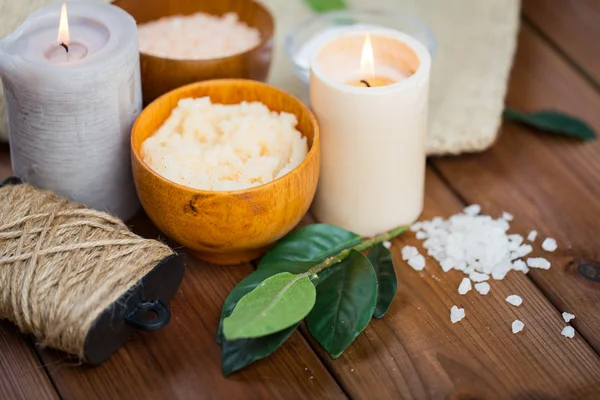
pixel 369 91
pixel 72 96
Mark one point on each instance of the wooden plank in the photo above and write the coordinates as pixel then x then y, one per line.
pixel 573 26
pixel 180 361
pixel 415 352
pixel 183 360
pixel 549 183
pixel 21 375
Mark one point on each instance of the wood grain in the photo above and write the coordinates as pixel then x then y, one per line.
pixel 415 352
pixel 182 360
pixel 573 26
pixel 21 374
pixel 235 226
pixel 549 183
pixel 160 75
pixel 178 362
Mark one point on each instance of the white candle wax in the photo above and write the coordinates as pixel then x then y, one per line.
pixel 70 114
pixel 372 138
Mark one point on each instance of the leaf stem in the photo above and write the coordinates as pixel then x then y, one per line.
pixel 365 244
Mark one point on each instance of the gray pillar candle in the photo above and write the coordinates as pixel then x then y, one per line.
pixel 70 113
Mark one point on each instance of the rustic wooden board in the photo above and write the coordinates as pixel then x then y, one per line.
pixel 21 374
pixel 415 352
pixel 549 183
pixel 183 360
pixel 571 25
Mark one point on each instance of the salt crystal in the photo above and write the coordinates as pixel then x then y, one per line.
pixel 482 287
pixel 500 270
pixel 532 235
pixel 515 238
pixel 464 286
pixel 447 264
pixel 387 244
pixel 517 326
pixel 568 316
pixel 478 277
pixel 416 226
pixel 507 216
pixel 461 265
pixel 455 251
pixel 523 250
pixel 417 262
pixel 514 300
pixel 519 265
pixel 456 314
pixel 514 241
pixel 408 252
pixel 538 262
pixel 472 210
pixel 549 244
pixel 421 235
pixel 568 331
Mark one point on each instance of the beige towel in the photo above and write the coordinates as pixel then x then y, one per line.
pixel 476 41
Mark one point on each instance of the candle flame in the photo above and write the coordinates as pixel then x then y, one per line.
pixel 367 65
pixel 63 26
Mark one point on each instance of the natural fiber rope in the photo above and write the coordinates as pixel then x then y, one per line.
pixel 62 264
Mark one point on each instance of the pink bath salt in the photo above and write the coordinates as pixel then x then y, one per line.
pixel 198 36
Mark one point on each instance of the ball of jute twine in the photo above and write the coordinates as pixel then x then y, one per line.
pixel 62 265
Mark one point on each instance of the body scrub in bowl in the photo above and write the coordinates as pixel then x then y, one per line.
pixel 229 176
pixel 224 146
pixel 199 36
pixel 185 41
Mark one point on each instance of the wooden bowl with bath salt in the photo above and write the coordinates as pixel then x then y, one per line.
pixel 160 75
pixel 227 227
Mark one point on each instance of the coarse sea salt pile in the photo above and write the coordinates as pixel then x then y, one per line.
pixel 198 36
pixel 480 247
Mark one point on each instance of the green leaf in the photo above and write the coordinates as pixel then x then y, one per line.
pixel 345 304
pixel 296 253
pixel 327 5
pixel 237 354
pixel 552 121
pixel 245 286
pixel 277 303
pixel 310 244
pixel 387 284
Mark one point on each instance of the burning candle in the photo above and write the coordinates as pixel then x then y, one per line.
pixel 72 84
pixel 369 92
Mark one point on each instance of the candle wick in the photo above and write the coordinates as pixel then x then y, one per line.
pixel 64 46
pixel 366 83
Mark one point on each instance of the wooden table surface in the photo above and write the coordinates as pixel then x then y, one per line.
pixel 549 183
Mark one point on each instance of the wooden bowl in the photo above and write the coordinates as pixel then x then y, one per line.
pixel 234 226
pixel 161 75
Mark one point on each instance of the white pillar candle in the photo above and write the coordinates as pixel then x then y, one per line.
pixel 70 114
pixel 372 138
